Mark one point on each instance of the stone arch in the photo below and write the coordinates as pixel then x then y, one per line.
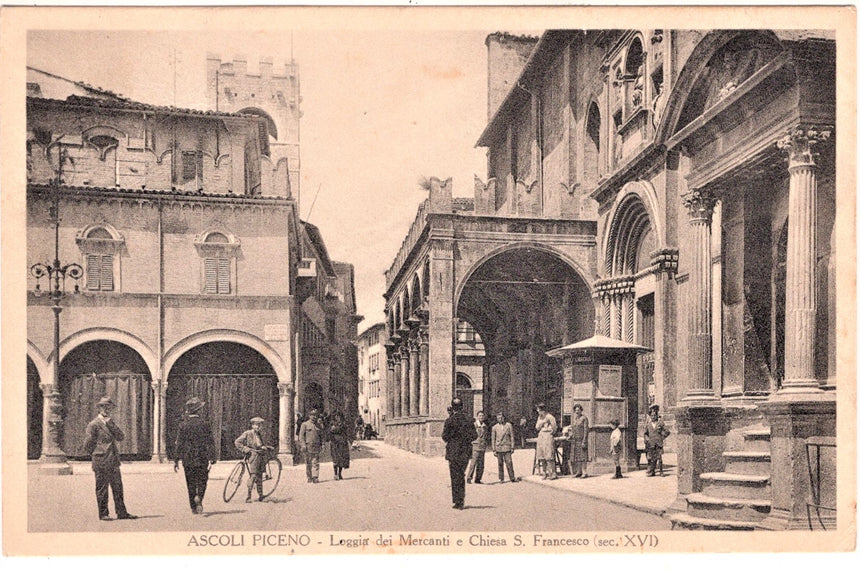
pixel 114 233
pixel 226 335
pixel 103 333
pixel 40 362
pixel 695 69
pixel 631 195
pixel 634 56
pixel 416 292
pixel 577 268
pixel 592 143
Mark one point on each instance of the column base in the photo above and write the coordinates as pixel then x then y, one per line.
pixel 700 399
pixel 804 389
pixel 51 466
pixel 781 519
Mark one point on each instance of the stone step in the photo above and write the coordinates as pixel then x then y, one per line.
pixel 757 440
pixel 704 506
pixel 736 485
pixel 747 462
pixel 689 522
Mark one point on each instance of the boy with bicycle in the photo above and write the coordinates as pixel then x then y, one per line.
pixel 256 452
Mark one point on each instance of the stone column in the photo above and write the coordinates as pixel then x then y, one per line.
pixel 158 452
pixel 395 385
pixel 424 372
pixel 285 419
pixel 388 412
pixel 53 460
pixel 413 376
pixel 700 203
pixel 404 380
pixel 800 261
pixel 615 314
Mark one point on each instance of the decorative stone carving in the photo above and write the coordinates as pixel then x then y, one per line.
pixel 799 144
pixel 700 203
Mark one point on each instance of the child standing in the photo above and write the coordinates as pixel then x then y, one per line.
pixel 615 447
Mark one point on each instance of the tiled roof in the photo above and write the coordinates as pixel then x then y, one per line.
pixel 83 85
pixel 129 105
pixel 155 193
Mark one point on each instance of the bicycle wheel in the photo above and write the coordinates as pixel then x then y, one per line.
pixel 271 476
pixel 233 481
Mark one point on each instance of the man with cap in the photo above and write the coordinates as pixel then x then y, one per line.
pixel 102 435
pixel 310 442
pixel 195 446
pixel 458 433
pixel 251 444
pixel 655 433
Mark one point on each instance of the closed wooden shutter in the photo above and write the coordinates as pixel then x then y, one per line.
pixel 223 275
pixel 210 267
pixel 93 272
pixel 107 273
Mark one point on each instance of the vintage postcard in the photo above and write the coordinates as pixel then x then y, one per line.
pixel 432 280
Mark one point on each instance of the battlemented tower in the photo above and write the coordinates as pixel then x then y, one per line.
pixel 275 96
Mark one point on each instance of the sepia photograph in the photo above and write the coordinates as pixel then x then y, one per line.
pixel 473 280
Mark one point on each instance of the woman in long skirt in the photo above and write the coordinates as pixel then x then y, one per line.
pixel 339 437
pixel 579 442
pixel 545 449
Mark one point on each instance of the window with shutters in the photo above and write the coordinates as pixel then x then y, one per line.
pixel 99 272
pixel 217 275
pixel 101 248
pixel 218 250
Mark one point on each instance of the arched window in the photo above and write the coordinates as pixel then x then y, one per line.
pixel 101 248
pixel 591 156
pixel 218 250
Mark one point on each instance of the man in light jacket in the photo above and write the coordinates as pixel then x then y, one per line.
pixel 503 446
pixel 310 442
pixel 102 435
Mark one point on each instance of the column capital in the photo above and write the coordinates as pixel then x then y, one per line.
pixel 284 389
pixel 799 143
pixel 665 260
pixel 700 202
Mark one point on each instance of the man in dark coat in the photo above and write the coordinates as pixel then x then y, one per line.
pixel 102 435
pixel 195 446
pixel 458 434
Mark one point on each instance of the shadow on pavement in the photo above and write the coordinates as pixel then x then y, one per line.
pixel 212 513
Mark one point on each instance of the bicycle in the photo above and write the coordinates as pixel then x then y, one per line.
pixel 271 475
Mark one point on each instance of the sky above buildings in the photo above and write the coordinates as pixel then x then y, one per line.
pixel 381 111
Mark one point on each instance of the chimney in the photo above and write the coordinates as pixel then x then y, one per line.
pixel 506 57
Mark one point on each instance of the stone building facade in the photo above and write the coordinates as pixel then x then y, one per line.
pixel 675 189
pixel 329 331
pixel 373 377
pixel 176 226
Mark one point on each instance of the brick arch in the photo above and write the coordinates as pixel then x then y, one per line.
pixel 40 362
pixel 116 335
pixel 226 335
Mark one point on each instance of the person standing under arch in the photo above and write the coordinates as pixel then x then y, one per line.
pixel 546 427
pixel 195 446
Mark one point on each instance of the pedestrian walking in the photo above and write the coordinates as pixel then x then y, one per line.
pixel 102 436
pixel 479 449
pixel 458 433
pixel 339 445
pixel 251 443
pixel 503 447
pixel 195 446
pixel 579 442
pixel 654 435
pixel 615 447
pixel 359 428
pixel 310 441
pixel 546 427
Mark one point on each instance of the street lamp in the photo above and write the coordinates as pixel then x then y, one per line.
pixel 56 274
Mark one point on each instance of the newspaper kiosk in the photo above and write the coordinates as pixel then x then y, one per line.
pixel 601 375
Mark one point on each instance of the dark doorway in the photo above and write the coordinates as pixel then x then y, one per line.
pixel 106 368
pixel 236 382
pixel 35 411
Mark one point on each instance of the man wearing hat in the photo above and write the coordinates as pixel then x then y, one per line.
pixel 102 435
pixel 458 433
pixel 655 433
pixel 251 444
pixel 195 446
pixel 310 442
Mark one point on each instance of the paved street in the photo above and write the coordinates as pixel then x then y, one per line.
pixel 384 489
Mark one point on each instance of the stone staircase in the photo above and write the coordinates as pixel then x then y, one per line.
pixel 737 498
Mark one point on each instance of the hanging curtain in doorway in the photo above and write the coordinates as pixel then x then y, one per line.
pixel 231 401
pixel 133 398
